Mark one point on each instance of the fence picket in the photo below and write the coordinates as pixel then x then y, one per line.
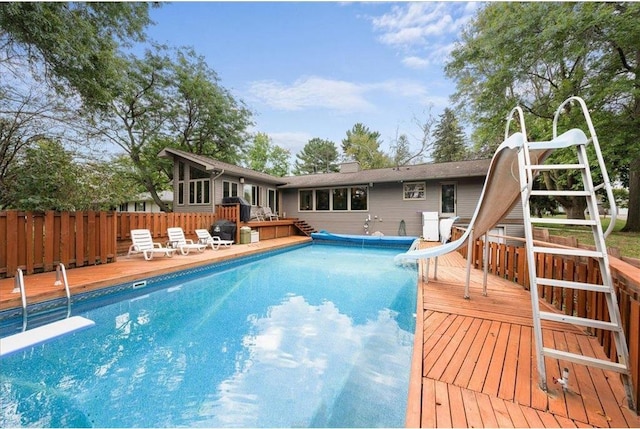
pixel 38 241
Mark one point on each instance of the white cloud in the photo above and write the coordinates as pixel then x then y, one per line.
pixel 338 95
pixel 293 141
pixel 312 92
pixel 414 62
pixel 429 28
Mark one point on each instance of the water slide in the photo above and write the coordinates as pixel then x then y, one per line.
pixel 500 193
pixel 501 190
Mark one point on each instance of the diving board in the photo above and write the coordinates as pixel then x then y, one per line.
pixel 42 334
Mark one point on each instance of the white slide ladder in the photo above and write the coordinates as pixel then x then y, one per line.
pixel 529 168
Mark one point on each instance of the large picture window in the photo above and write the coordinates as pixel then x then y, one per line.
pixel 359 198
pixel 340 198
pixel 199 187
pixel 334 199
pixel 306 201
pixel 414 191
pixel 322 199
pixel 199 191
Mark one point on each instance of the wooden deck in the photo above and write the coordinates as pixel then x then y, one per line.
pixel 40 287
pixel 474 364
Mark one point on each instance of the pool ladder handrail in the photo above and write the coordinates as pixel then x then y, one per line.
pixel 61 278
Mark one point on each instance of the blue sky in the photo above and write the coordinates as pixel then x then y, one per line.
pixel 315 69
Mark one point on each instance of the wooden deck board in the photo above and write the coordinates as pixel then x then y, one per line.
pixel 40 287
pixel 483 350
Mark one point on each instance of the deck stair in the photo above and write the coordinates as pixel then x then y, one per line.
pixel 577 140
pixel 304 227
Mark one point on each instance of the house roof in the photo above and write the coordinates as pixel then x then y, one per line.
pixel 407 173
pixel 213 165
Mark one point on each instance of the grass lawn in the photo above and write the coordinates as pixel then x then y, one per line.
pixel 627 242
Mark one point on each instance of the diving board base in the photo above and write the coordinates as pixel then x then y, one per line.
pixel 41 334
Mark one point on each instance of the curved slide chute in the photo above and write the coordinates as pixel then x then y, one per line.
pixel 500 193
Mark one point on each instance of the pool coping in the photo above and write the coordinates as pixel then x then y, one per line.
pixel 130 284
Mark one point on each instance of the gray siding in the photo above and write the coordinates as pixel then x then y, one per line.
pixel 387 208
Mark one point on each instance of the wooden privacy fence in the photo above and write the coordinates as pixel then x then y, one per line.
pixel 509 262
pixel 38 241
pixel 158 223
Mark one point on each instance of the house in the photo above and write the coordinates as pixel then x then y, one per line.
pixel 352 201
pixel 390 200
pixel 200 183
pixel 144 203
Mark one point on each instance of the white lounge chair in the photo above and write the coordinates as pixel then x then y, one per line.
pixel 178 241
pixel 268 214
pixel 142 242
pixel 215 242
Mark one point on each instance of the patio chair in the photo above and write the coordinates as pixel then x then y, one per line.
pixel 215 242
pixel 178 241
pixel 257 214
pixel 142 242
pixel 268 214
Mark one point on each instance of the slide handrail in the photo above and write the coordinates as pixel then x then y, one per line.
pixel 606 183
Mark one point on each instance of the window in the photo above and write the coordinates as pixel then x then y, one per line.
pixel 199 191
pixel 414 191
pixel 448 199
pixel 180 193
pixel 359 198
pixel 124 207
pixel 199 187
pixel 140 206
pixel 181 179
pixel 305 200
pixel 340 198
pixel 322 199
pixel 229 189
pixel 334 199
pixel 272 200
pixel 251 193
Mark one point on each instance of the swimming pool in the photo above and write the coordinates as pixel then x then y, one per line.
pixel 320 336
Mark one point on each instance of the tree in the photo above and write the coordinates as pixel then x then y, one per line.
pixel 539 54
pixel 279 161
pixel 266 157
pixel 49 177
pixel 205 118
pixel 317 156
pixel 28 114
pixel 72 45
pixel 449 139
pixel 171 99
pixel 401 151
pixel 363 145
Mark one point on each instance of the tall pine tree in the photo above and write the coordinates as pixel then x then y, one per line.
pixel 449 139
pixel 317 156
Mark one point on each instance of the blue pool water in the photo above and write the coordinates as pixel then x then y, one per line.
pixel 320 336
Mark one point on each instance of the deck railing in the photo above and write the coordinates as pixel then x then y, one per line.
pixel 38 241
pixel 509 261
